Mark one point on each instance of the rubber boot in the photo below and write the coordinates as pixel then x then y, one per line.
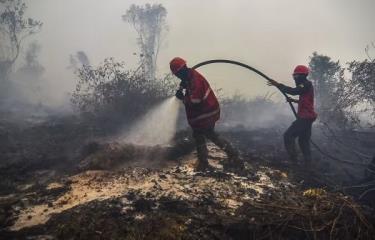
pixel 290 148
pixel 304 144
pixel 234 161
pixel 202 163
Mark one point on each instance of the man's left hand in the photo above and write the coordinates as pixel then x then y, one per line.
pixel 272 82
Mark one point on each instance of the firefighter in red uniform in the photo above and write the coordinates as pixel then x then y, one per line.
pixel 306 115
pixel 202 111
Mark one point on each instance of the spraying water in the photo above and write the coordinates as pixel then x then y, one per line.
pixel 157 127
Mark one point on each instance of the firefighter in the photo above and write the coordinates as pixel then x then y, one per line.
pixel 202 111
pixel 301 127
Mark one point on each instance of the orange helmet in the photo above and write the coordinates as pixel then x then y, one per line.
pixel 177 64
pixel 301 69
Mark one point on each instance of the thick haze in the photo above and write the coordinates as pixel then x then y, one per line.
pixel 271 35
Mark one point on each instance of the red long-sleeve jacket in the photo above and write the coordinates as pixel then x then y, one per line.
pixel 201 105
pixel 305 91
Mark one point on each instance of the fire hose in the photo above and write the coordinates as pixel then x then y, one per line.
pixel 285 95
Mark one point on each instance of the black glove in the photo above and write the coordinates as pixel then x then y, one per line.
pixel 183 84
pixel 179 94
pixel 291 100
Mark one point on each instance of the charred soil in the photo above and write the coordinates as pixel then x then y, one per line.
pixel 100 189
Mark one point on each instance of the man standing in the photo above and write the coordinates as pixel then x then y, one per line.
pixel 202 111
pixel 306 115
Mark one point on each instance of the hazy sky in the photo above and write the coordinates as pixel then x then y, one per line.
pixel 272 35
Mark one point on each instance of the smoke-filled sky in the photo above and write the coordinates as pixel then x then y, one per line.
pixel 271 35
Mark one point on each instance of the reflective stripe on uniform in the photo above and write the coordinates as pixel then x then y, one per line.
pixel 206 94
pixel 205 115
pixel 196 100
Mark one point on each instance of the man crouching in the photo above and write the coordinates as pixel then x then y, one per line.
pixel 202 111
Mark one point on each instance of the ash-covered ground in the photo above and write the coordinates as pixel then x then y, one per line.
pixel 66 184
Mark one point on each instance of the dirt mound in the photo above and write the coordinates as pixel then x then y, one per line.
pixel 177 203
pixel 111 155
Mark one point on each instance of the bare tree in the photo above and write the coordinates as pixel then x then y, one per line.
pixel 14 28
pixel 149 22
pixel 78 60
pixel 32 67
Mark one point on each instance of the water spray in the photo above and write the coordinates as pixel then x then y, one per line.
pixel 157 127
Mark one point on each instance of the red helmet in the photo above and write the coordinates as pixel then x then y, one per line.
pixel 301 69
pixel 177 64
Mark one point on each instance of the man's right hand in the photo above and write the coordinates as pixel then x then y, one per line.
pixel 291 100
pixel 183 84
pixel 179 94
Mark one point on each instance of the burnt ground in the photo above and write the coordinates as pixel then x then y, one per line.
pixel 62 182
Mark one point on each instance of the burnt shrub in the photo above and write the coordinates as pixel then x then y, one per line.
pixel 112 95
